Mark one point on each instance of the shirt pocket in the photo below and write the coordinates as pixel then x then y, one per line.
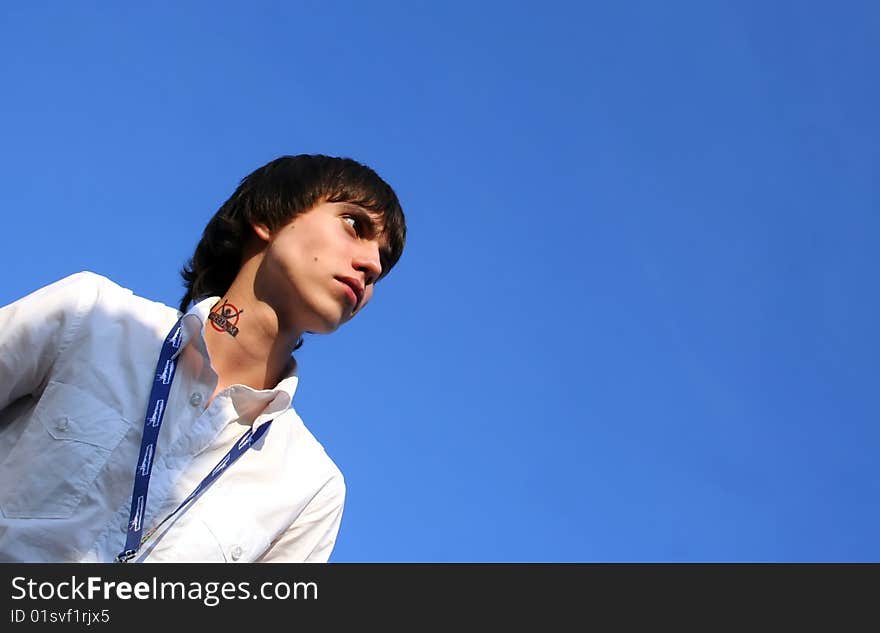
pixel 59 455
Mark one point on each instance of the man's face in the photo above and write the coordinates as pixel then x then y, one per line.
pixel 319 269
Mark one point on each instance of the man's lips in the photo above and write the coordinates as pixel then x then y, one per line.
pixel 354 290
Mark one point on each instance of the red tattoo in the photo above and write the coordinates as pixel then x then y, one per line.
pixel 226 318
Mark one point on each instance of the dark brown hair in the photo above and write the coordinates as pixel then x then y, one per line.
pixel 273 195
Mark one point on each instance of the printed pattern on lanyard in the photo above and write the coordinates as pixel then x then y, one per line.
pixel 165 369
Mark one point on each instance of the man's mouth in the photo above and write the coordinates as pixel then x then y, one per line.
pixel 355 290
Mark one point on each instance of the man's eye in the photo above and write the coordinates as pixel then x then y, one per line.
pixel 352 221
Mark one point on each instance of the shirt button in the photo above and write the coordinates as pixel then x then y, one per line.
pixel 62 424
pixel 195 399
pixel 236 552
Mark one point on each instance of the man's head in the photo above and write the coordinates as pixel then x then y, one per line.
pixel 273 195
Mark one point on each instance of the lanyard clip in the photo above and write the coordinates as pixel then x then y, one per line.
pixel 127 555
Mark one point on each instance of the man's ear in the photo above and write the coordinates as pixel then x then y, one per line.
pixel 262 231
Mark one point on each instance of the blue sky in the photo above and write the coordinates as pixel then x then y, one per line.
pixel 636 319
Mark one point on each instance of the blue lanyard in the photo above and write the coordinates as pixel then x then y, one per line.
pixel 165 369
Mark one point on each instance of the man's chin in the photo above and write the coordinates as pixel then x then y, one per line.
pixel 328 325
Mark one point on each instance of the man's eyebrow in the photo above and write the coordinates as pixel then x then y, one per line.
pixel 369 218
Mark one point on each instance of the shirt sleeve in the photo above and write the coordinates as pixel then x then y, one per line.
pixel 35 329
pixel 312 535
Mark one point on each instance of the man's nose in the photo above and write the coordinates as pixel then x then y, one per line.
pixel 368 262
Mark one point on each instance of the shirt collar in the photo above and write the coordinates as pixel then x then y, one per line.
pixel 277 400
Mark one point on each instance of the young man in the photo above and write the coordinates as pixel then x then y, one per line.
pixel 132 431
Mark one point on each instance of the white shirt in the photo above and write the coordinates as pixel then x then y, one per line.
pixel 77 360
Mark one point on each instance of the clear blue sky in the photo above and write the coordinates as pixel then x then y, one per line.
pixel 637 317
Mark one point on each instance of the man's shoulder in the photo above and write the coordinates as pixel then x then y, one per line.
pixel 75 294
pixel 88 283
pixel 310 450
pixel 82 283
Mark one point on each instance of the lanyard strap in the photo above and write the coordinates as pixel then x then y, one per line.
pixel 165 369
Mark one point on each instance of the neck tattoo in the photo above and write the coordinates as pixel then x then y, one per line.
pixel 225 318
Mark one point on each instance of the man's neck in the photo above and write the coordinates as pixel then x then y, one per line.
pixel 245 341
